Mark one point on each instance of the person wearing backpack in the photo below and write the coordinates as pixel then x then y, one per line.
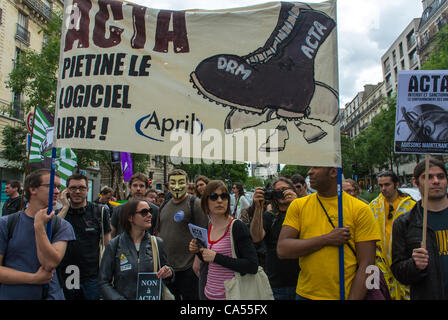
pixel 91 223
pixel 172 226
pixel 131 253
pixel 28 257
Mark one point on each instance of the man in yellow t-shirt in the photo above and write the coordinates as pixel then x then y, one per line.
pixel 308 234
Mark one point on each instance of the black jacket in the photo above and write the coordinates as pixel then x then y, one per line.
pixel 246 262
pixel 12 205
pixel 121 264
pixel 406 236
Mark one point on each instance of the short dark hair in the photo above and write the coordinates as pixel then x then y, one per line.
pixel 77 176
pixel 128 210
pixel 150 191
pixel 212 186
pixel 141 177
pixel 388 173
pixel 34 180
pixel 14 184
pixel 420 167
pixel 298 178
pixel 106 190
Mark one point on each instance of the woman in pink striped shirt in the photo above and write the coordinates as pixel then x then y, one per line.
pixel 217 263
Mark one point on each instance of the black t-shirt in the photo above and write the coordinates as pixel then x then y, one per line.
pixel 281 272
pixel 438 221
pixel 84 251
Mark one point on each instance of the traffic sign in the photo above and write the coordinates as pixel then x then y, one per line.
pixel 29 121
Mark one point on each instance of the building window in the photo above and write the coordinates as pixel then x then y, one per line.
pixel 400 49
pixel 386 65
pixel 22 32
pixel 413 58
pixel 411 39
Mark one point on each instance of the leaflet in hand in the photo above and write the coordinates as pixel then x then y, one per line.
pixel 200 234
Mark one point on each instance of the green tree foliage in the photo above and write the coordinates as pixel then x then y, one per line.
pixel 438 59
pixel 35 73
pixel 289 170
pixel 14 143
pixel 230 173
pixel 374 146
pixel 253 182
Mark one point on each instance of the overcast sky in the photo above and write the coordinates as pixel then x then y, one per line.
pixel 366 29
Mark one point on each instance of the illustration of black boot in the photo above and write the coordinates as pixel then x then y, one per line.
pixel 278 76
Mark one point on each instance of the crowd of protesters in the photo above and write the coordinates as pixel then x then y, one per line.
pixel 96 251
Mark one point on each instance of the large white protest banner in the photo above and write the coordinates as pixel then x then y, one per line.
pixel 256 84
pixel 422 112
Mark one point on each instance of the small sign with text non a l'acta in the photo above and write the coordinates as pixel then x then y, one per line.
pixel 149 286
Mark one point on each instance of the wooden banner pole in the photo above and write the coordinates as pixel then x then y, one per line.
pixel 425 201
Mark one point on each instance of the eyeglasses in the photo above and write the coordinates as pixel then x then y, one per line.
pixel 144 212
pixel 56 186
pixel 215 196
pixel 81 188
pixel 298 186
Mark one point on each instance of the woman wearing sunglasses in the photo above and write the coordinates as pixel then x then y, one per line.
pixel 130 253
pixel 217 263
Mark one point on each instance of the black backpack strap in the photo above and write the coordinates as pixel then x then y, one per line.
pixel 14 218
pixel 192 200
pixel 157 225
pixel 55 225
pixel 11 224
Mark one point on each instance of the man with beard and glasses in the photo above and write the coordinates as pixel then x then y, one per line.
pixel 425 269
pixel 172 226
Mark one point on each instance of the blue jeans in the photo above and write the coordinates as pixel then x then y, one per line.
pixel 89 288
pixel 286 293
pixel 301 298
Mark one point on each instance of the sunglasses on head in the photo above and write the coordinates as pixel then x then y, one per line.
pixel 144 212
pixel 223 196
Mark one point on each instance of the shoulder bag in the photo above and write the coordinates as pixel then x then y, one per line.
pixel 166 293
pixel 248 286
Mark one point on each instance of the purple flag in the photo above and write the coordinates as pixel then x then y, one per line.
pixel 126 165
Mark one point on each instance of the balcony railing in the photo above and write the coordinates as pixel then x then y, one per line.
pixel 16 111
pixel 23 34
pixel 41 8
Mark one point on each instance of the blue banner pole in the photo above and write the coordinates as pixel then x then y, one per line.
pixel 51 189
pixel 341 248
pixel 50 208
